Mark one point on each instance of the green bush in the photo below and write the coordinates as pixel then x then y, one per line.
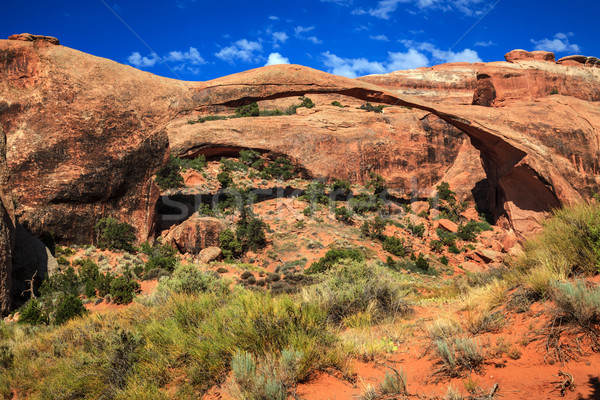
pixel 344 215
pixel 230 245
pixel 569 243
pixel 332 257
pixel 336 104
pixel 33 313
pixel 458 356
pixel 202 120
pixel 163 256
pixel 68 307
pixel 189 279
pixel 377 183
pixel 123 290
pixel 352 287
pixel 280 168
pixel 364 203
pixel 249 110
pixel 225 179
pixel 416 230
pixel 341 188
pixel 445 193
pixel 394 245
pixel 370 107
pixel 578 303
pixel 169 176
pixel 374 229
pixel 115 235
pixel 315 193
pixel 250 232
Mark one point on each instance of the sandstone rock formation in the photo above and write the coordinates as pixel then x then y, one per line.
pixel 84 137
pixel 195 234
pixel 7 231
pixel 524 153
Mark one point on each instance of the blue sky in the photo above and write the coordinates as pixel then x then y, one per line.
pixel 201 40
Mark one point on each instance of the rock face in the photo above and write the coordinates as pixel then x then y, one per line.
pixel 83 141
pixel 522 55
pixel 7 231
pixel 195 234
pixel 522 154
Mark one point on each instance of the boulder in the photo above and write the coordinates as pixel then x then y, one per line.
pixel 448 225
pixel 195 234
pixel 523 55
pixel 209 254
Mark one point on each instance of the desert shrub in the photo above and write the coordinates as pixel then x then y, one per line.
pixel 251 158
pixel 332 257
pixel 364 203
pixel 103 283
pixel 376 183
pixel 66 282
pixel 189 279
pixel 315 193
pixel 578 303
pixel 160 255
pixel 68 307
pixel 569 243
pixel 458 355
pixel 202 120
pixel 344 215
pixel 374 229
pixel 246 275
pixel 416 230
pixel 304 102
pixel 155 273
pixel 394 245
pixel 225 179
pixel 352 286
pixel 169 176
pixel 63 261
pixel 341 188
pixel 444 260
pixel 33 313
pixel 336 104
pixel 250 232
pixel 115 235
pixel 445 193
pixel 447 238
pixel 370 107
pixel 394 383
pixel 280 168
pixel 248 110
pixel 123 289
pixel 470 230
pixel 230 245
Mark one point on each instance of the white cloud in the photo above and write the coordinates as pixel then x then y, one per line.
pixel 138 61
pixel 276 58
pixel 417 55
pixel 484 44
pixel 381 38
pixel 559 44
pixel 280 37
pixel 192 56
pixel 385 8
pixel 273 18
pixel 339 2
pixel 299 30
pixel 244 50
pixel 187 61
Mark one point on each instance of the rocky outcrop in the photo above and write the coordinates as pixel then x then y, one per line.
pixel 522 154
pixel 578 61
pixel 85 135
pixel 28 37
pixel 7 231
pixel 522 55
pixel 195 234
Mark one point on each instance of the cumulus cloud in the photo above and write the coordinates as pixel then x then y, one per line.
pixel 559 44
pixel 417 55
pixel 187 61
pixel 484 43
pixel 244 50
pixel 139 61
pixel 385 8
pixel 279 37
pixel 191 56
pixel 276 58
